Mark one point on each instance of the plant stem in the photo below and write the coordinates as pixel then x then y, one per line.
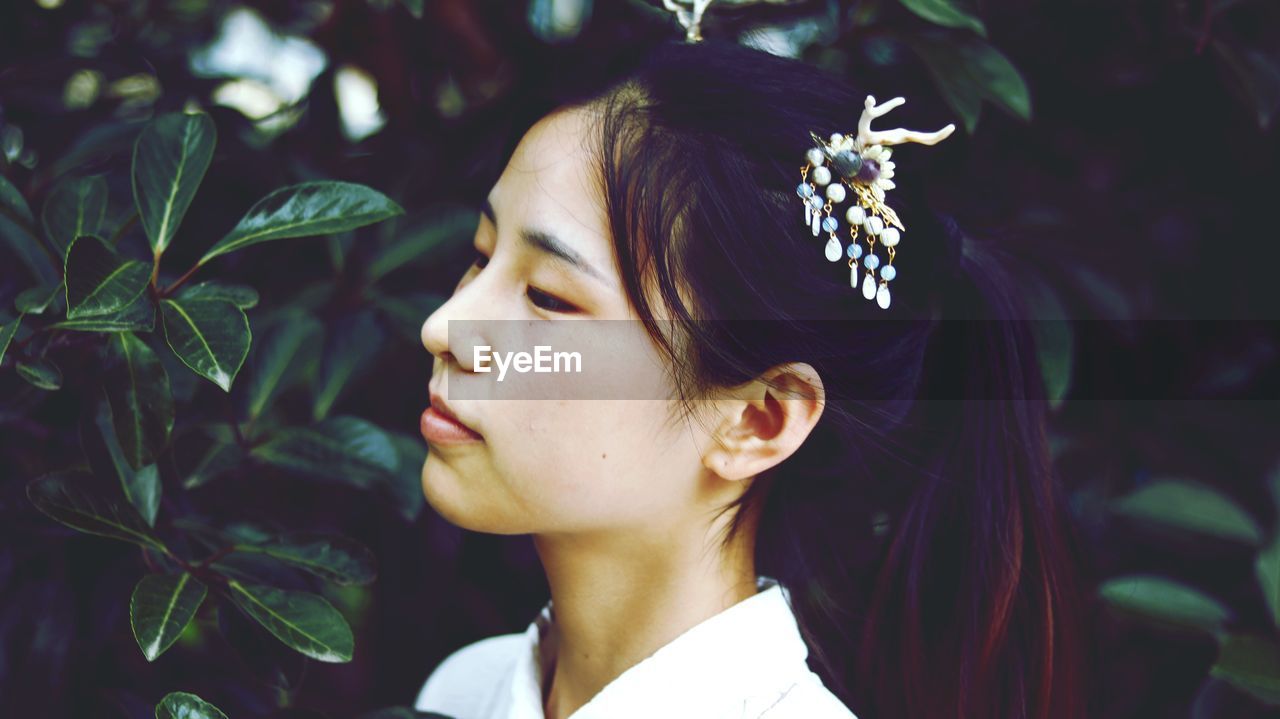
pixel 178 282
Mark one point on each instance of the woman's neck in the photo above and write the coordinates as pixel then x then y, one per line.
pixel 617 599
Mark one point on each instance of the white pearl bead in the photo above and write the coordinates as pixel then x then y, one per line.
pixel 836 138
pixel 835 192
pixel 856 215
pixel 874 225
pixel 815 156
pixel 890 236
pixel 821 175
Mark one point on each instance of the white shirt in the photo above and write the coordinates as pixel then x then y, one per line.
pixel 746 662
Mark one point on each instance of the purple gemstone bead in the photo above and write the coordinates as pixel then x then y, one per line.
pixel 869 172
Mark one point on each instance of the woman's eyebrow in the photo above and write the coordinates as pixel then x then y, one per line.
pixel 549 244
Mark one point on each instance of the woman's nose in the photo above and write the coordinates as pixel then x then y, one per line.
pixel 456 327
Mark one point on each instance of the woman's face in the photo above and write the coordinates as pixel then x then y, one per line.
pixel 573 462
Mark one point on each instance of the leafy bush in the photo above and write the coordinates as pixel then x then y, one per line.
pixel 96 314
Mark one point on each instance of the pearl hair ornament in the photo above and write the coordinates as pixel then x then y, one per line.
pixel 861 164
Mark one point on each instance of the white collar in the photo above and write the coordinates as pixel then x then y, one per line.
pixel 747 654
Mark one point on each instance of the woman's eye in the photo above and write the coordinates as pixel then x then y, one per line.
pixel 548 302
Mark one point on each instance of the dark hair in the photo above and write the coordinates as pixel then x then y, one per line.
pixel 918 529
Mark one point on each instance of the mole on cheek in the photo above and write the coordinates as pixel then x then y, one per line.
pixel 602 455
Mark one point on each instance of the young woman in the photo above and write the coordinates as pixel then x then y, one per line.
pixel 846 509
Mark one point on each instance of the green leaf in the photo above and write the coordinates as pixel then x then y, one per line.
pixel 1193 507
pixel 341 449
pixel 415 7
pixel 407 313
pixel 170 158
pixel 1165 600
pixel 99 281
pixel 967 70
pixel 16 228
pixel 441 230
pixel 137 388
pixel 278 358
pixel 238 295
pixel 1267 569
pixel 1257 74
pixel 1055 342
pixel 71 498
pixel 74 208
pixel 946 13
pixel 211 336
pixel 306 622
pixel 181 705
pixel 40 372
pixel 350 345
pixel 220 458
pixel 36 300
pixel 331 557
pixel 1251 664
pixel 309 208
pixel 161 607
pixel 98 439
pixel 7 331
pixel 138 316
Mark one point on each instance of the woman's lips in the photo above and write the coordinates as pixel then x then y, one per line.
pixel 439 426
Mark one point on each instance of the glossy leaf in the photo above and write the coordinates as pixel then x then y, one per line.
pixel 329 556
pixel 304 621
pixel 342 449
pixel 183 705
pixel 40 372
pixel 239 295
pixel 161 607
pixel 1193 507
pixel 947 13
pixel 278 358
pixel 36 300
pixel 211 336
pixel 1250 664
pixel 75 208
pixel 138 316
pixel 309 208
pixel 1165 600
pixel 99 281
pixel 137 388
pixel 142 487
pixel 170 158
pixel 73 499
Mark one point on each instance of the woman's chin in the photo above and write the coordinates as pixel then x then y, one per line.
pixel 446 491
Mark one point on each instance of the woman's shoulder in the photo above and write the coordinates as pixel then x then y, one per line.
pixel 467 679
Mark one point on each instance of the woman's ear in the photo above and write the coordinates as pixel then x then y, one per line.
pixel 766 421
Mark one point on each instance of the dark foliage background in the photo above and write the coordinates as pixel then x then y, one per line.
pixel 1125 148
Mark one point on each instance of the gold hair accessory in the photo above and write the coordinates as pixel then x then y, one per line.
pixel 689 17
pixel 861 163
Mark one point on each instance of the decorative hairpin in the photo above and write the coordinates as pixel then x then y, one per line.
pixel 861 163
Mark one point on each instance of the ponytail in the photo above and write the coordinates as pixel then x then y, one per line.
pixel 973 611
